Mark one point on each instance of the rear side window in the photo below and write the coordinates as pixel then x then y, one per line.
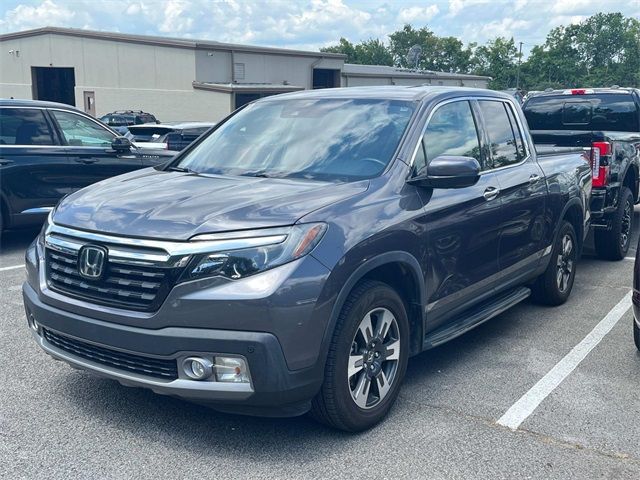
pixel 24 126
pixel 452 131
pixel 606 111
pixel 502 140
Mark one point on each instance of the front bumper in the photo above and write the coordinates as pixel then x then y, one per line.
pixel 274 389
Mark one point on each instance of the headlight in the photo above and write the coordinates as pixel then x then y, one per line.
pixel 254 251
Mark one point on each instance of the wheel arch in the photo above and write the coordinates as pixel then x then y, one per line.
pixel 402 272
pixel 574 214
pixel 630 180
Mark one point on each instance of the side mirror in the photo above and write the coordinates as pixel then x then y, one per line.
pixel 121 144
pixel 448 171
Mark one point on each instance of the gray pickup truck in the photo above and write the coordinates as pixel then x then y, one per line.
pixel 295 256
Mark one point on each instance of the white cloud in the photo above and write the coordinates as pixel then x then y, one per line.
pixel 23 17
pixel 417 15
pixel 308 24
pixel 459 6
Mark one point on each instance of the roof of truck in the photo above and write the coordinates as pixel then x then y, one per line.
pixel 588 91
pixel 388 92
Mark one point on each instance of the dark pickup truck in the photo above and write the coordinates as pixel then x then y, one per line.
pixel 295 256
pixel 608 121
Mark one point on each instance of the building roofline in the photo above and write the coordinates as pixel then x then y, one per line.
pixel 194 44
pixel 245 87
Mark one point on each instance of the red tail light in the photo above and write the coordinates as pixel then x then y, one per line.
pixel 578 91
pixel 600 151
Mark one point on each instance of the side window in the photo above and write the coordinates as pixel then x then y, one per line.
pixel 82 132
pixel 501 138
pixel 24 126
pixel 521 151
pixel 452 131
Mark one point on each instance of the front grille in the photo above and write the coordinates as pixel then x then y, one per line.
pixel 127 286
pixel 151 367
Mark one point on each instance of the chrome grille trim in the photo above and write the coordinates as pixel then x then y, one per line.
pixel 212 242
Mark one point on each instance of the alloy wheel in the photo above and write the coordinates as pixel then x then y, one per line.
pixel 374 358
pixel 565 263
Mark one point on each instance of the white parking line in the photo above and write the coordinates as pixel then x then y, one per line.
pixel 525 406
pixel 13 267
pixel 629 258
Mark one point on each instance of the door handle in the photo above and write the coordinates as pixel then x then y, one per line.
pixel 534 179
pixel 5 162
pixel 86 161
pixel 490 193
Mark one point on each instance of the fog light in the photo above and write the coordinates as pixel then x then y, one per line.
pixel 32 322
pixel 197 368
pixel 231 369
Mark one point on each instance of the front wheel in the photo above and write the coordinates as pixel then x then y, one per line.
pixel 636 334
pixel 367 359
pixel 614 244
pixel 554 286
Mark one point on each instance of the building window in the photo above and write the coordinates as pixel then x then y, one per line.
pixel 238 71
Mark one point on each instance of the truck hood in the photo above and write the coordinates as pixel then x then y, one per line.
pixel 176 206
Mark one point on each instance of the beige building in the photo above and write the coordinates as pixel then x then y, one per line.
pixel 176 79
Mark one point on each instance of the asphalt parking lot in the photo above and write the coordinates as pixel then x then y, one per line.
pixel 56 422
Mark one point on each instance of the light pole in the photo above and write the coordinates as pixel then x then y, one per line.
pixel 519 61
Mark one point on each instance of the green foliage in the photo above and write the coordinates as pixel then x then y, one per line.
pixel 497 59
pixel 369 52
pixel 601 51
pixel 440 54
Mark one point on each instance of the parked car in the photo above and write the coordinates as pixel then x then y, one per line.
pixel 607 119
pixel 48 150
pixel 120 120
pixel 515 93
pixel 169 136
pixel 299 253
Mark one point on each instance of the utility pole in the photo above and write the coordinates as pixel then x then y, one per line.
pixel 519 62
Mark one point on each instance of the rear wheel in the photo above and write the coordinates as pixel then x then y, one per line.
pixel 614 244
pixel 367 359
pixel 554 286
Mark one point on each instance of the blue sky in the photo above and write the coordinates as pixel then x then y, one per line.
pixel 309 24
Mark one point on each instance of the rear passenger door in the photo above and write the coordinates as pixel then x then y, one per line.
pixel 522 188
pixel 462 224
pixel 34 168
pixel 88 145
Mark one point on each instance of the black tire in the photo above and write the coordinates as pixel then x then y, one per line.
pixel 614 244
pixel 549 288
pixel 636 334
pixel 335 404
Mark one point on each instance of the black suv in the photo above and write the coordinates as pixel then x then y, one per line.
pixel 48 150
pixel 121 120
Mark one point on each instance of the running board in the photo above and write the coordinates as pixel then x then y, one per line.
pixel 475 316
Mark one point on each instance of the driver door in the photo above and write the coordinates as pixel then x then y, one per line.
pixel 88 145
pixel 462 225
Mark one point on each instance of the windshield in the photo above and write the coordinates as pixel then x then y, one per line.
pixel 318 139
pixel 606 111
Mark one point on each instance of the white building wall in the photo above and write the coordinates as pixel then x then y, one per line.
pixel 123 75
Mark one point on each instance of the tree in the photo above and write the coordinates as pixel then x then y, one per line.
pixel 497 59
pixel 369 52
pixel 601 51
pixel 441 54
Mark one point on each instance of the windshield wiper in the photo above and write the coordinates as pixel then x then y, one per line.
pixel 258 173
pixel 181 169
